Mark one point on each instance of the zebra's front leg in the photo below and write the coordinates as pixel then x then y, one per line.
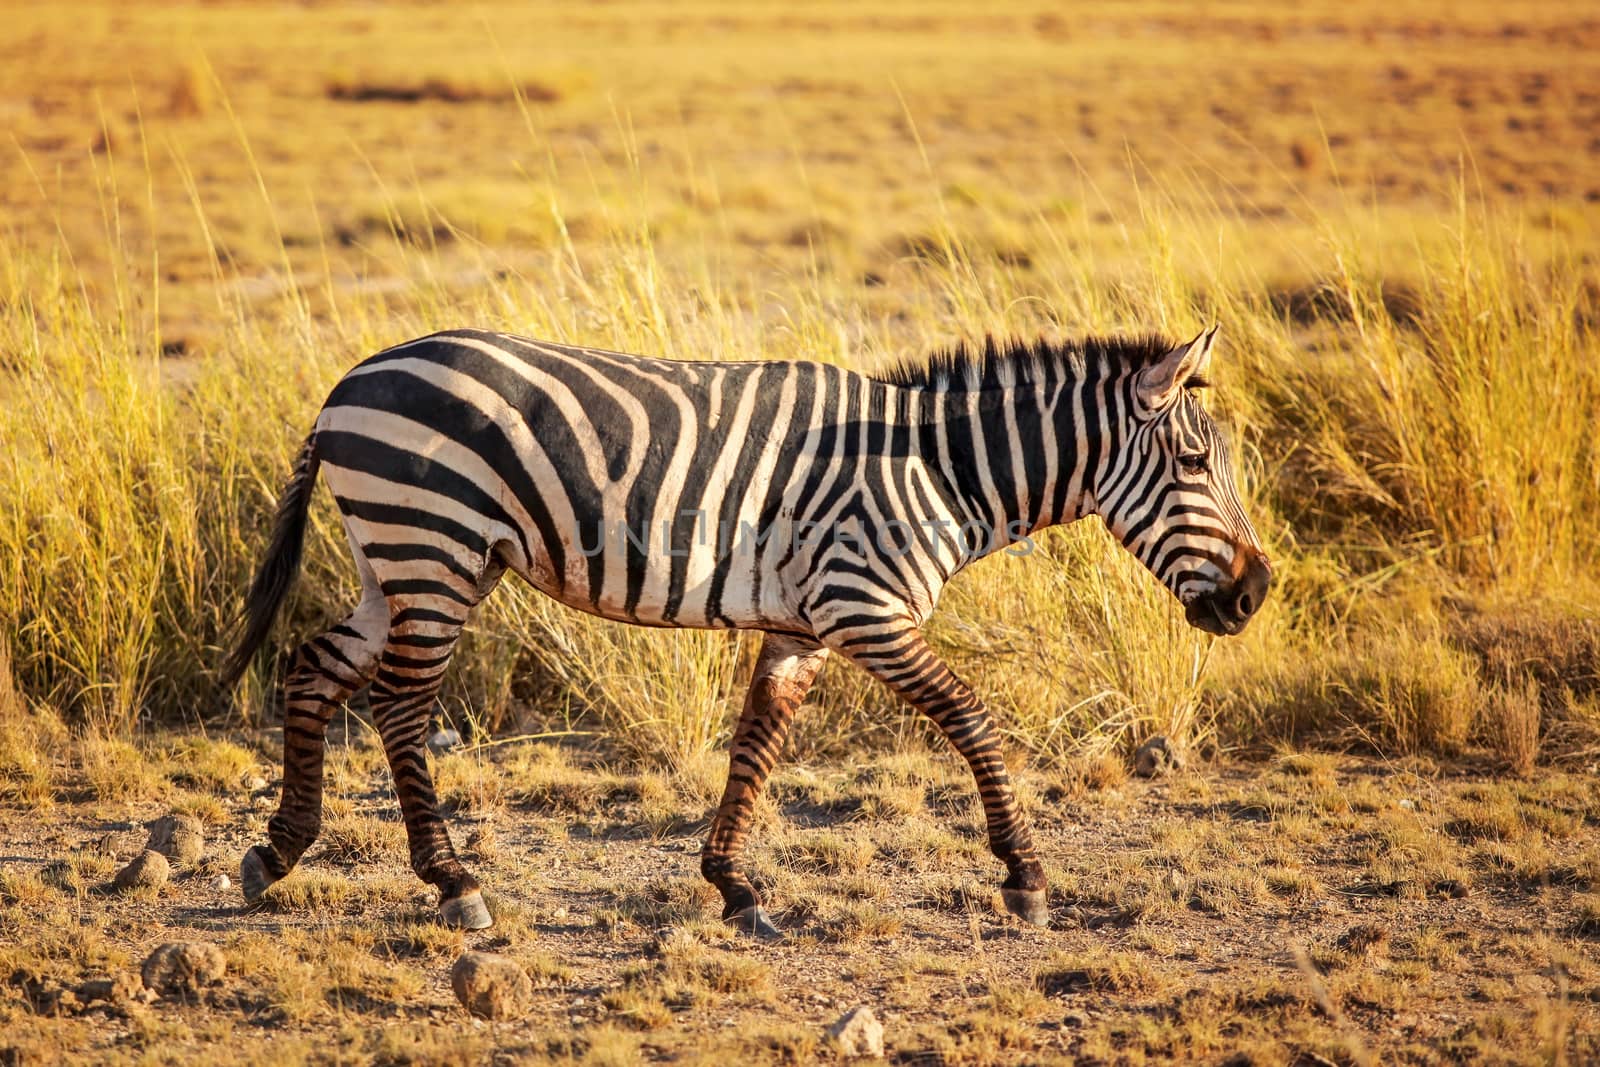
pixel 322 675
pixel 784 672
pixel 896 654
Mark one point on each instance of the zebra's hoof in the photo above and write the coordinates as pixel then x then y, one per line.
pixel 755 922
pixel 466 912
pixel 254 878
pixel 1029 905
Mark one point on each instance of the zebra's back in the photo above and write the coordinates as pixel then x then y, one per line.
pixel 651 491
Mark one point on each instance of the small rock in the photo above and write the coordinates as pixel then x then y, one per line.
pixel 1074 1021
pixel 184 968
pixel 858 1033
pixel 255 783
pixel 491 986
pixel 148 869
pixel 444 741
pixel 221 882
pixel 180 838
pixel 1408 804
pixel 1154 758
pixel 122 989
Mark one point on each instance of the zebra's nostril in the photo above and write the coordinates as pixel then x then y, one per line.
pixel 1244 604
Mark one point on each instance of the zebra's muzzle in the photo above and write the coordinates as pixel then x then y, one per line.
pixel 1225 610
pixel 1202 614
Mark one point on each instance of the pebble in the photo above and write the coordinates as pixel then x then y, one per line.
pixel 221 882
pixel 1154 758
pixel 148 870
pixel 180 838
pixel 107 846
pixel 491 986
pixel 444 741
pixel 858 1033
pixel 183 968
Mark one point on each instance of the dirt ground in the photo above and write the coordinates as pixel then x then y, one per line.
pixel 1304 909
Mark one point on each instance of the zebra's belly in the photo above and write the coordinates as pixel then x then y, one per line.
pixel 695 587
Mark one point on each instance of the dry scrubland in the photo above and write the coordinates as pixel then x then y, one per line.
pixel 1384 846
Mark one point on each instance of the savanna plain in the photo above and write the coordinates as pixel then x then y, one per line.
pixel 1382 840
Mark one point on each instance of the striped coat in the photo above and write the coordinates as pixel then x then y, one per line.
pixel 825 507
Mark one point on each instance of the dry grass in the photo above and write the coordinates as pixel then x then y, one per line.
pixel 28 737
pixel 1391 396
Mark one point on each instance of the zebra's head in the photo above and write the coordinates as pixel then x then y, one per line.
pixel 1169 496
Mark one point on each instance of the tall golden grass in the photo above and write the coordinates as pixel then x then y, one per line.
pixel 1402 457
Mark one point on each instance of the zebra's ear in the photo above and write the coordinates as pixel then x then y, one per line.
pixel 1187 366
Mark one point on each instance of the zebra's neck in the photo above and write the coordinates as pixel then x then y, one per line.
pixel 1015 457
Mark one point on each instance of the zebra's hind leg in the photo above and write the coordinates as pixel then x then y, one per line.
pixel 322 675
pixel 422 635
pixel 784 672
pixel 896 654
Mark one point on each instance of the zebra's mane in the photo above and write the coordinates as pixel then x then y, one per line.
pixel 1013 361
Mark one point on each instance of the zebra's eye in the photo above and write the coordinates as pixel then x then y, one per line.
pixel 1195 463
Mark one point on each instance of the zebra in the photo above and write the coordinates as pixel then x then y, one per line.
pixel 824 507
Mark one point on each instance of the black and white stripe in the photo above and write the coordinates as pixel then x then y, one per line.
pixel 825 507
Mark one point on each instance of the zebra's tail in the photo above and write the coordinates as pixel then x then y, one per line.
pixel 278 569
